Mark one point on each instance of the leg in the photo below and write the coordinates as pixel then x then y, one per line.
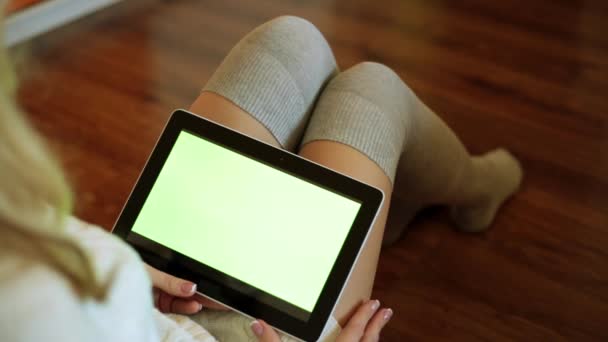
pixel 221 110
pixel 265 88
pixel 270 80
pixel 369 125
pixel 349 161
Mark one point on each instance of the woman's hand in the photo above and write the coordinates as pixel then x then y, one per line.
pixel 364 326
pixel 175 295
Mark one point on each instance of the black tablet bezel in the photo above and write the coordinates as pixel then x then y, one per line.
pixel 228 290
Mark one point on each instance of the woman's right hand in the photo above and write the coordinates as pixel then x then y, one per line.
pixel 364 326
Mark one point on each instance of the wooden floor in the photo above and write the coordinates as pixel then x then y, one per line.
pixel 528 75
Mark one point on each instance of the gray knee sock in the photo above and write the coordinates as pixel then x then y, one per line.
pixel 370 108
pixel 364 107
pixel 275 73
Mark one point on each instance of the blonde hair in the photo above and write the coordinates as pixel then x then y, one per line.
pixel 35 199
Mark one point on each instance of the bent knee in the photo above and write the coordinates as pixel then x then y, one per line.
pixel 297 44
pixel 376 68
pixel 380 85
pixel 287 34
pixel 371 77
pixel 291 24
pixel 369 108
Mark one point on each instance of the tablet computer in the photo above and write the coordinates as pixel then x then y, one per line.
pixel 258 229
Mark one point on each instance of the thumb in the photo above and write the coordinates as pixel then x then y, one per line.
pixel 264 332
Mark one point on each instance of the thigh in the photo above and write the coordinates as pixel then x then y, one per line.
pixel 349 161
pixel 221 110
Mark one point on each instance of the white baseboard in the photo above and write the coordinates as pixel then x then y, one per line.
pixel 48 15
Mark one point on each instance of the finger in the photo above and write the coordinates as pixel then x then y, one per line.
pixel 264 332
pixel 165 301
pixel 185 306
pixel 355 328
pixel 156 296
pixel 374 327
pixel 170 284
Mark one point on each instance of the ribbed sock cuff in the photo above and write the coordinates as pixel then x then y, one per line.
pixel 260 85
pixel 350 119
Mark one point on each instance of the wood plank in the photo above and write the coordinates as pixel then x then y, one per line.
pixel 531 76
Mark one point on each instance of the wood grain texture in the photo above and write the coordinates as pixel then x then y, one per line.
pixel 17 5
pixel 528 75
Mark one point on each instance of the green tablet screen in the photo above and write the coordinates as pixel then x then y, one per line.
pixel 265 227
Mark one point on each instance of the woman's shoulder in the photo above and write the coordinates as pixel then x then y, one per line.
pixel 116 265
pixel 38 304
pixel 100 243
pixel 118 262
pixel 127 308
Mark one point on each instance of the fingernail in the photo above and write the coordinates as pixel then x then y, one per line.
pixel 257 328
pixel 388 314
pixel 375 305
pixel 200 306
pixel 188 288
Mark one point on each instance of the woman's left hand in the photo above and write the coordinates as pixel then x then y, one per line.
pixel 175 295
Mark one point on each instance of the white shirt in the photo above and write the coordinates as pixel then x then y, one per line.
pixel 39 304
